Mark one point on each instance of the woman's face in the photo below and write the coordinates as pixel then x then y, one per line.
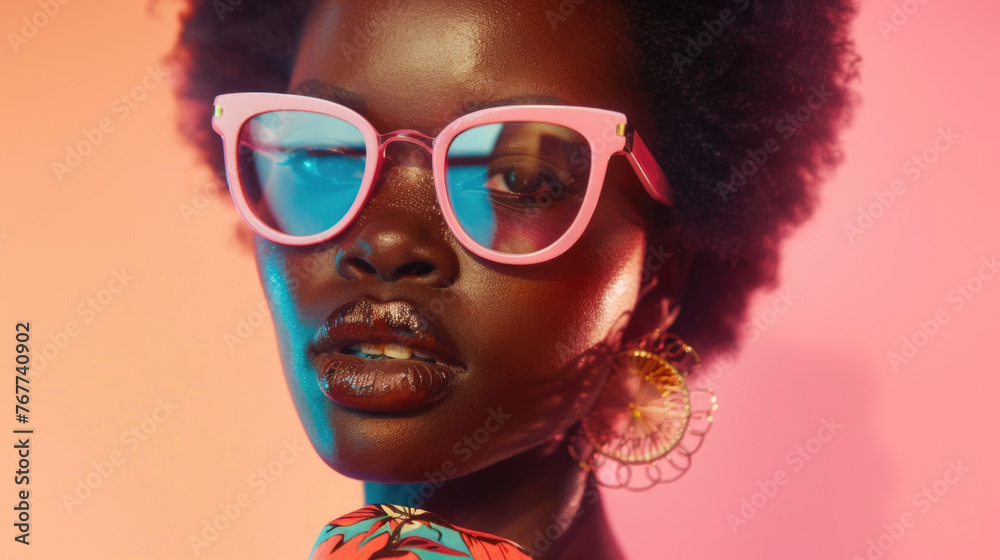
pixel 506 338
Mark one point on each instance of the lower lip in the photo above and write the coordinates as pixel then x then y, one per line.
pixel 382 385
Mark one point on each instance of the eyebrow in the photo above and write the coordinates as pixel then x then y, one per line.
pixel 318 88
pixel 473 106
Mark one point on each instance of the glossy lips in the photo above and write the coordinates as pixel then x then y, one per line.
pixel 353 373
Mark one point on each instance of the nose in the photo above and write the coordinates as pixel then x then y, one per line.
pixel 406 135
pixel 400 233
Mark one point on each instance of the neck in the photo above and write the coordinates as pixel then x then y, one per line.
pixel 540 499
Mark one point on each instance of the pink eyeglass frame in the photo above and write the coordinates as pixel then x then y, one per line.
pixel 607 133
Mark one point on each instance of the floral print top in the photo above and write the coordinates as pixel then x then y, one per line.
pixel 391 531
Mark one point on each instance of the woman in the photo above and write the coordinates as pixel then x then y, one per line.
pixel 453 314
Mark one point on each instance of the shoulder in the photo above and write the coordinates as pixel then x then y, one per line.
pixel 391 531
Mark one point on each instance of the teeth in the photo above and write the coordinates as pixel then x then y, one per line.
pixel 397 351
pixel 388 350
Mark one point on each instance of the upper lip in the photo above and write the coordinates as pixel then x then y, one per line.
pixel 366 320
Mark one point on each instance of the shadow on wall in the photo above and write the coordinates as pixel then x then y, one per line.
pixel 791 469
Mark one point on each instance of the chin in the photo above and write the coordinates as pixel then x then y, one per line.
pixel 417 448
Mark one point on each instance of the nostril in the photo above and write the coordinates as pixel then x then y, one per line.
pixel 360 265
pixel 415 269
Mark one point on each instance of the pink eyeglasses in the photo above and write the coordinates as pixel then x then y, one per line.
pixel 516 184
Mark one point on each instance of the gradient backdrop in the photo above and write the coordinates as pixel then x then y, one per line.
pixel 148 425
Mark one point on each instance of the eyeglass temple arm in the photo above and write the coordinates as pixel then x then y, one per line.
pixel 647 168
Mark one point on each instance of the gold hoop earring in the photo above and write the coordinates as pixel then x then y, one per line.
pixel 647 421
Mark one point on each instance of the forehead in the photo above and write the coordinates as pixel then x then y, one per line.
pixel 418 64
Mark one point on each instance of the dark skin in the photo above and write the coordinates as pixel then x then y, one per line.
pixel 519 331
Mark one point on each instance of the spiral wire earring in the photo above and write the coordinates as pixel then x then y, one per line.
pixel 647 421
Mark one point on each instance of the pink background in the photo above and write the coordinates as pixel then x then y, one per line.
pixel 162 337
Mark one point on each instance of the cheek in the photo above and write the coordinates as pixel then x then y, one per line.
pixel 284 276
pixel 543 352
pixel 587 294
pixel 560 319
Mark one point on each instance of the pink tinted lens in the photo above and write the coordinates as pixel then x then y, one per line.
pixel 517 187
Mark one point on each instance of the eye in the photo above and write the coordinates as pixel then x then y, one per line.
pixel 525 176
pixel 326 164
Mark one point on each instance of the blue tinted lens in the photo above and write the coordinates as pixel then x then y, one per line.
pixel 300 171
pixel 517 187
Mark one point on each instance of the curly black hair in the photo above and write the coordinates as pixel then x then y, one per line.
pixel 749 98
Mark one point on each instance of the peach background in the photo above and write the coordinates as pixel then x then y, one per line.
pixel 161 337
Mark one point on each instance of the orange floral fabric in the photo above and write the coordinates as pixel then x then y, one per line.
pixel 391 531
